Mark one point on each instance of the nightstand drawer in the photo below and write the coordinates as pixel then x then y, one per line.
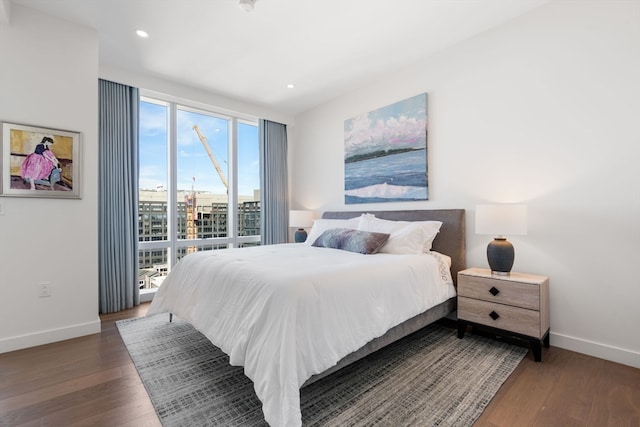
pixel 500 291
pixel 509 318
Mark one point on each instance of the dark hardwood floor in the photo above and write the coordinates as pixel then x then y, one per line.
pixel 91 381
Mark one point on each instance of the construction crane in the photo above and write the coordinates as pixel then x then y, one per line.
pixel 190 199
pixel 190 204
pixel 212 157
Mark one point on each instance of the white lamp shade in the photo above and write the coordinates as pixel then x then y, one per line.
pixel 300 219
pixel 501 220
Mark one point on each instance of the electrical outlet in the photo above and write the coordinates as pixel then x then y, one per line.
pixel 45 290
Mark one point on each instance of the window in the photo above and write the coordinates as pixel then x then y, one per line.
pixel 199 185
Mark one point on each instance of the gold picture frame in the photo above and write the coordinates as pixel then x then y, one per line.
pixel 40 162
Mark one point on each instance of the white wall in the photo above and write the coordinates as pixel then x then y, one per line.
pixel 542 110
pixel 49 78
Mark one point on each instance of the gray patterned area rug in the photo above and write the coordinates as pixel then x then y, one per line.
pixel 430 378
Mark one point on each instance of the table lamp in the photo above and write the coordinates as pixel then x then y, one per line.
pixel 300 220
pixel 501 220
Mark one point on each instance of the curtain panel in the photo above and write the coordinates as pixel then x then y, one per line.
pixel 274 212
pixel 118 196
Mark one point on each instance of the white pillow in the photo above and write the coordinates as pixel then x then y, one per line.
pixel 406 237
pixel 321 225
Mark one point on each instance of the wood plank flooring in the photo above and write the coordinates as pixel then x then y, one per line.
pixel 91 381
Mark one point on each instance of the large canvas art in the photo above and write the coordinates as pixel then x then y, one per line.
pixel 385 157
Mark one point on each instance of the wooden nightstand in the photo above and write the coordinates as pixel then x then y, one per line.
pixel 517 304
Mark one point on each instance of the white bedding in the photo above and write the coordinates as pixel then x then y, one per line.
pixel 286 312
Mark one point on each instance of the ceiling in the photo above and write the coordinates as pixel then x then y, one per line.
pixel 324 47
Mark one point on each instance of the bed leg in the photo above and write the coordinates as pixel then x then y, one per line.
pixel 170 317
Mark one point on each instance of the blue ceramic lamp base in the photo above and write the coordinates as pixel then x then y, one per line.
pixel 300 236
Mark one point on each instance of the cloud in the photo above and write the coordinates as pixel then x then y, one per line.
pixel 363 135
pixel 153 119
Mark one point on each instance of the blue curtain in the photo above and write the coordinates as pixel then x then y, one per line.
pixel 274 213
pixel 118 196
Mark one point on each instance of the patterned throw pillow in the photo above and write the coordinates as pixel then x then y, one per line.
pixel 363 242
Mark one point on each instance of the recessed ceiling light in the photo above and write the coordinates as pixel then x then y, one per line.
pixel 142 34
pixel 247 5
pixel 291 85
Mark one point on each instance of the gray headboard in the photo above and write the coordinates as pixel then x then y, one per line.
pixel 450 241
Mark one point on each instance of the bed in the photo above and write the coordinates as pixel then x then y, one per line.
pixel 280 310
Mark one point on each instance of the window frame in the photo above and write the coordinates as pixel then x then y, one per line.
pixel 173 244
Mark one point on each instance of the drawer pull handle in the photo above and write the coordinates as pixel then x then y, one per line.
pixel 494 291
pixel 494 315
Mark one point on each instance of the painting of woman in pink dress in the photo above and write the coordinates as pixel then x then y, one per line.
pixel 39 164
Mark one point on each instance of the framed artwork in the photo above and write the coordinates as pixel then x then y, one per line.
pixel 385 154
pixel 40 162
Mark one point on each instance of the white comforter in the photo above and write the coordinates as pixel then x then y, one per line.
pixel 286 312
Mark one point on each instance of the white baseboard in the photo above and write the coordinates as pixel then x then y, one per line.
pixel 49 336
pixel 613 354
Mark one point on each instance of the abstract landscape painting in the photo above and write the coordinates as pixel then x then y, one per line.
pixel 385 156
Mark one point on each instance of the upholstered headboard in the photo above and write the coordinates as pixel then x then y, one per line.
pixel 450 241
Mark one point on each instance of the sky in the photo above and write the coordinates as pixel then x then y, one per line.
pixel 192 159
